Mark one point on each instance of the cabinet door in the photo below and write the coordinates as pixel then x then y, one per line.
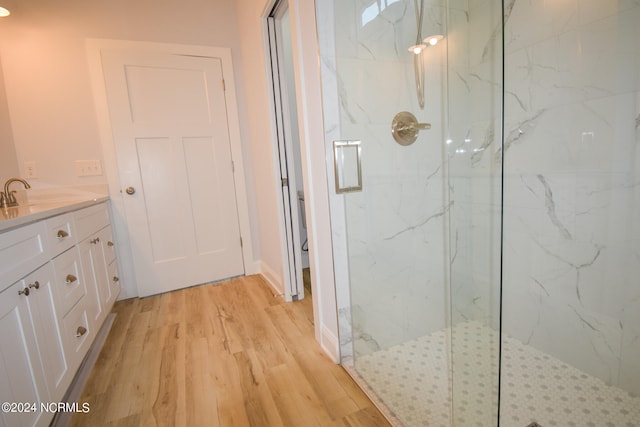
pixel 95 276
pixel 21 373
pixel 114 284
pixel 112 287
pixel 48 331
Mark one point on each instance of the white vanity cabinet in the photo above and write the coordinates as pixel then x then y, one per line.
pixel 57 374
pixel 56 287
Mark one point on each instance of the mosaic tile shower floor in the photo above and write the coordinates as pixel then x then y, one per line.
pixel 412 379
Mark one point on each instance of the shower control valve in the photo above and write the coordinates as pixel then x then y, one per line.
pixel 405 128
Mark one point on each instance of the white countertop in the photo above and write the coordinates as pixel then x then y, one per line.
pixel 45 204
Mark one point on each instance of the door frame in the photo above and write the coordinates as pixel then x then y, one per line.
pixel 307 65
pixel 281 117
pixel 93 49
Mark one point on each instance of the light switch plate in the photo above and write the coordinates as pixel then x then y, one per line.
pixel 88 168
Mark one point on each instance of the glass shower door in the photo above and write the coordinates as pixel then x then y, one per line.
pixel 404 238
pixel 389 239
pixel 474 152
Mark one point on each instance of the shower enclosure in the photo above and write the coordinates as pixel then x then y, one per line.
pixel 489 272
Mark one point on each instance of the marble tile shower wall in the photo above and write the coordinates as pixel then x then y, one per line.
pixel 394 227
pixel 572 183
pixel 473 137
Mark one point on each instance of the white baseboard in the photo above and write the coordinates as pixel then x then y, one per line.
pixel 329 343
pixel 274 280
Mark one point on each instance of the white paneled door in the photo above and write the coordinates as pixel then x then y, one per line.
pixel 169 123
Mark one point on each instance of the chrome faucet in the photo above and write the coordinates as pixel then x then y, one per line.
pixel 8 198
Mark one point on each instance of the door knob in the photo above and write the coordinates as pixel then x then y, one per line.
pixel 130 190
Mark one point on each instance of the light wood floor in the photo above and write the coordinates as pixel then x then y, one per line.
pixel 231 354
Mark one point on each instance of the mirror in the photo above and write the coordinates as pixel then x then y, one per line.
pixel 8 159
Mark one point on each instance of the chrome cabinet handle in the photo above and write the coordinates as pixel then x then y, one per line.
pixel 24 292
pixel 130 191
pixel 81 331
pixel 62 234
pixel 70 278
pixel 36 285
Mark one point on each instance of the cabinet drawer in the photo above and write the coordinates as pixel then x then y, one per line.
pixel 77 335
pixel 60 233
pixel 21 251
pixel 88 221
pixel 69 285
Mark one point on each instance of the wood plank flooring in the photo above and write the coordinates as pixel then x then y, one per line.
pixel 230 354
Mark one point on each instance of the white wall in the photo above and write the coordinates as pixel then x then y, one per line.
pixel 45 68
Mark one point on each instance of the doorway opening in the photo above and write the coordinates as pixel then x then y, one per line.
pixel 296 275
